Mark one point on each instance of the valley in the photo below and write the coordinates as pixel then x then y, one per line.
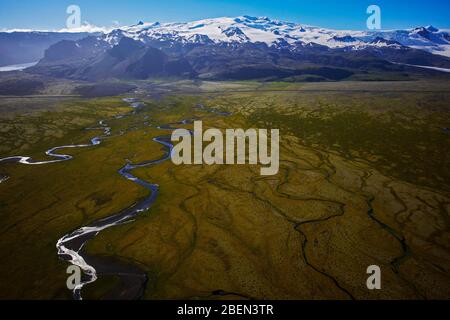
pixel 363 180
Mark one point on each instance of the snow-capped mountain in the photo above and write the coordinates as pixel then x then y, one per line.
pixel 247 48
pixel 273 32
pixel 244 29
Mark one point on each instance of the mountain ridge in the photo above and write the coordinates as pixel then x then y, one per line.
pixel 244 48
pixel 263 29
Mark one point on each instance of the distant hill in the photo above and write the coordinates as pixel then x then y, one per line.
pixel 26 47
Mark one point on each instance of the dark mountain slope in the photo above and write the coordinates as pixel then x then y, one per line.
pixel 94 59
pixel 25 47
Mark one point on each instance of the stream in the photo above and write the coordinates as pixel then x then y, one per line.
pixel 70 247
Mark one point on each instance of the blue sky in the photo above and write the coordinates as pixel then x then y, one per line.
pixel 340 14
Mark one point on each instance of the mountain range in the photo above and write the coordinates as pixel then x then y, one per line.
pixel 278 33
pixel 237 49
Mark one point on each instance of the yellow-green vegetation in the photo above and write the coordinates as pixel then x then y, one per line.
pixel 363 181
pixel 31 126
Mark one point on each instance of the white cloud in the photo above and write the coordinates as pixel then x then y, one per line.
pixel 85 27
pixel 88 27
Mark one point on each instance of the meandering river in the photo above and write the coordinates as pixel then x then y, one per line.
pixel 70 247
